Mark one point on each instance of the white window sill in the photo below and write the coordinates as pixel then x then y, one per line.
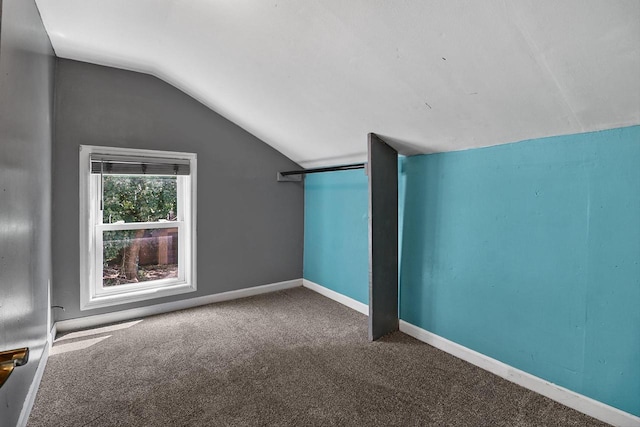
pixel 109 300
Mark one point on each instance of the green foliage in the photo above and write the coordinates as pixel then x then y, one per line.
pixel 139 198
pixel 134 198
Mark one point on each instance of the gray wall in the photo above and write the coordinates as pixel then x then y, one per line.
pixel 26 103
pixel 250 227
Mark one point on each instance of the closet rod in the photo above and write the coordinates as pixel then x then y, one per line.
pixel 327 169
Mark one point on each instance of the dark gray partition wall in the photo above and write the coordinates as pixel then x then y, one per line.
pixel 383 238
pixel 26 116
pixel 250 227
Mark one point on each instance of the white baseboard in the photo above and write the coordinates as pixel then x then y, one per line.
pixel 33 388
pixel 579 402
pixel 569 398
pixel 135 313
pixel 342 299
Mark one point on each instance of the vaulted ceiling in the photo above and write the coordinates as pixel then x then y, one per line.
pixel 313 77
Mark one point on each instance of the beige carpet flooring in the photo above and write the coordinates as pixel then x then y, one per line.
pixel 290 358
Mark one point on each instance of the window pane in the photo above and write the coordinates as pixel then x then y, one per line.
pixel 133 256
pixel 139 198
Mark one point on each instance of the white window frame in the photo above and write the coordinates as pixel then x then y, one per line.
pixel 92 293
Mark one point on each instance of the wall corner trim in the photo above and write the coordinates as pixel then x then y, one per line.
pixel 342 299
pixel 33 388
pixel 579 402
pixel 135 313
pixel 52 335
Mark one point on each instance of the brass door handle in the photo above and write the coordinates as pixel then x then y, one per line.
pixel 11 359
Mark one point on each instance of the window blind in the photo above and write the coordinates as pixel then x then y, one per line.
pixel 128 165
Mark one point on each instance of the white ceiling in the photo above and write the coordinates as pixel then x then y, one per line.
pixel 312 78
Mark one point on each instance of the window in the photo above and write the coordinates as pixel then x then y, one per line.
pixel 137 225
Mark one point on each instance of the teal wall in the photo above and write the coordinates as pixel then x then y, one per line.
pixel 527 252
pixel 336 242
